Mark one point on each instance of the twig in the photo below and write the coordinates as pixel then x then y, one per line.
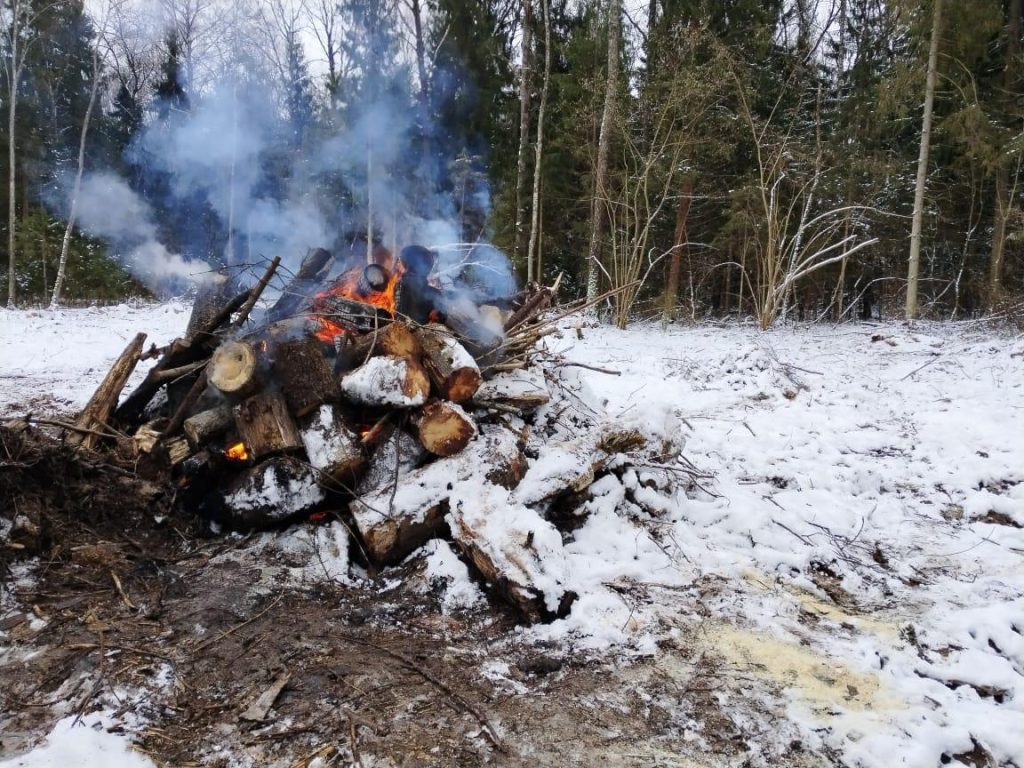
pixel 570 364
pixel 202 646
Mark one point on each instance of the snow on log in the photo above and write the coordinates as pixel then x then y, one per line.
pixel 451 368
pixel 331 446
pixel 399 517
pixel 204 426
pixel 444 428
pixel 303 374
pixel 525 390
pixel 395 339
pixel 387 381
pixel 398 453
pixel 519 554
pixel 233 370
pixel 270 492
pixel 265 426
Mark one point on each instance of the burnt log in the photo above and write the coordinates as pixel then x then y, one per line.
pixel 234 370
pixel 444 427
pixel 304 375
pixel 265 426
pixel 397 453
pixel 399 517
pixel 332 447
pixel 387 381
pixel 296 295
pixel 96 414
pixel 451 368
pixel 203 427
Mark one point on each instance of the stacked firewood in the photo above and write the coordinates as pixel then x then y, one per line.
pixel 334 405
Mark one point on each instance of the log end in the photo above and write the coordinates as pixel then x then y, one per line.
pixel 444 428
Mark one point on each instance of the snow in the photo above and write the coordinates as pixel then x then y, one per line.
pixel 83 742
pixel 855 564
pixel 267 492
pixel 380 381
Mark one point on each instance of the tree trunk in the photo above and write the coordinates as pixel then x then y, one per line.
pixel 66 244
pixel 524 137
pixel 532 256
pixel 12 106
pixel 266 427
pixel 1003 197
pixel 597 211
pixel 922 165
pixel 423 102
pixel 678 243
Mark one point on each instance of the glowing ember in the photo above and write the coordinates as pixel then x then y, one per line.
pixel 237 452
pixel 347 287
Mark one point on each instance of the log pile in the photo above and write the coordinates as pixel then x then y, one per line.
pixel 413 428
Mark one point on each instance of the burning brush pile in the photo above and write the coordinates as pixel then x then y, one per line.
pixel 408 410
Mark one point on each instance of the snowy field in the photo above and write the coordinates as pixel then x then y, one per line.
pixel 854 564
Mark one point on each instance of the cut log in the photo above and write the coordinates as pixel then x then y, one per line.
pixel 205 426
pixel 444 428
pixel 265 426
pixel 387 381
pixel 234 370
pixel 266 494
pixel 332 447
pixel 524 390
pixel 96 414
pixel 395 339
pixel 451 368
pixel 303 374
pixel 397 454
pixel 396 519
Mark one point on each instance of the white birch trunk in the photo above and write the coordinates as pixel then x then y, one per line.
pixel 922 166
pixel 532 251
pixel 524 138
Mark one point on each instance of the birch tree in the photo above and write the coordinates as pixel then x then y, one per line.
pixel 526 54
pixel 533 252
pixel 914 266
pixel 598 207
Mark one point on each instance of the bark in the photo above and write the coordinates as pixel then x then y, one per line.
pixel 922 165
pixel 526 54
pixel 678 243
pixel 101 405
pixel 451 368
pixel 396 339
pixel 302 372
pixel 597 213
pixel 265 426
pixel 534 247
pixel 203 427
pixel 66 244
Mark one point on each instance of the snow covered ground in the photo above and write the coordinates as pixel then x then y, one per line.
pixel 854 567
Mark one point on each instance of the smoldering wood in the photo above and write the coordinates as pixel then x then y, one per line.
pixel 332 446
pixel 207 425
pixel 471 329
pixel 399 517
pixel 265 425
pixel 353 315
pixel 96 414
pixel 233 370
pixel 398 382
pixel 444 427
pixel 396 339
pixel 297 294
pixel 451 368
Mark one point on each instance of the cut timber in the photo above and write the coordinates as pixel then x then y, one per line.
pixel 265 426
pixel 267 494
pixel 398 518
pixel 233 369
pixel 397 454
pixel 387 381
pixel 205 426
pixel 303 374
pixel 524 390
pixel 444 428
pixel 101 405
pixel 395 339
pixel 331 446
pixel 519 554
pixel 452 369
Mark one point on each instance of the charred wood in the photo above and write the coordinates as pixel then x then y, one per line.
pixel 265 426
pixel 302 372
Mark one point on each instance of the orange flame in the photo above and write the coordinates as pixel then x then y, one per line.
pixel 237 452
pixel 346 288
